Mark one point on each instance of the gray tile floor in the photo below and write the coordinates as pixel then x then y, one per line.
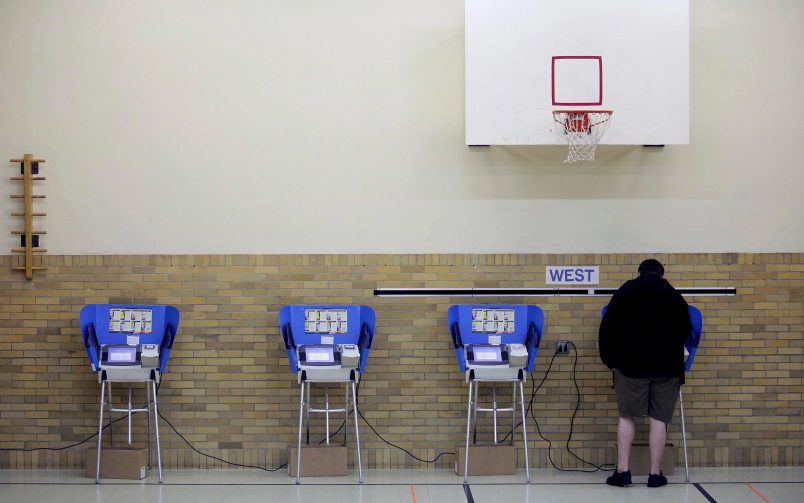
pixel 732 485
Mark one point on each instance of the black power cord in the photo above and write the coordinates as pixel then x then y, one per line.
pixel 232 463
pixel 349 413
pixel 572 424
pixel 169 424
pixel 575 413
pixel 529 410
pixel 387 442
pixel 343 423
pixel 534 390
pixel 31 449
pixel 445 453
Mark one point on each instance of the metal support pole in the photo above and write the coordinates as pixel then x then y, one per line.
pixel 474 412
pixel 100 431
pixel 513 415
pixel 326 409
pixel 494 409
pixel 684 437
pixel 148 423
pixel 468 428
pixel 111 405
pixel 346 416
pixel 156 428
pixel 309 399
pixel 357 437
pixel 524 429
pixel 299 444
pixel 129 414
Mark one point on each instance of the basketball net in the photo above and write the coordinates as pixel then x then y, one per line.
pixel 582 129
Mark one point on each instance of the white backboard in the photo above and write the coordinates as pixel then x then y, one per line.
pixel 526 58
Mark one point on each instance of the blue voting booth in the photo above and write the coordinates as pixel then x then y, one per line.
pixel 129 343
pixel 691 345
pixel 495 343
pixel 327 344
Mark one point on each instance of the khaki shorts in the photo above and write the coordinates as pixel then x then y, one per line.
pixel 646 396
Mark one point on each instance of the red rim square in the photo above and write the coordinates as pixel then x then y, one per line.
pixel 577 103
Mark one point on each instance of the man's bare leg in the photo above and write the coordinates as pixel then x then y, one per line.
pixel 658 438
pixel 625 437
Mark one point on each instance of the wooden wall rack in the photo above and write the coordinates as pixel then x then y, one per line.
pixel 29 237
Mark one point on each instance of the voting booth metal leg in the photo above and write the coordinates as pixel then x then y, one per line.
pixel 301 425
pixel 148 423
pixel 474 414
pixel 111 404
pixel 304 415
pixel 129 414
pixel 100 433
pixel 471 414
pixel 346 416
pixel 150 387
pixel 326 414
pixel 513 416
pixel 684 437
pixel 468 428
pixel 308 411
pixel 524 428
pixel 357 437
pixel 156 429
pixel 494 409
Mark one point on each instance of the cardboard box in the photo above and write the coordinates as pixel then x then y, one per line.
pixel 487 459
pixel 318 461
pixel 640 459
pixel 118 463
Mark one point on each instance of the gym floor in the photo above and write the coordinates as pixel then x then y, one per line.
pixel 732 485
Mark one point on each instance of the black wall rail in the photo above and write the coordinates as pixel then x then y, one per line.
pixel 535 292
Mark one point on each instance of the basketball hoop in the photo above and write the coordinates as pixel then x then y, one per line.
pixel 582 129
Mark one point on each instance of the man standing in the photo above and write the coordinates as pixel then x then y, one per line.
pixel 642 339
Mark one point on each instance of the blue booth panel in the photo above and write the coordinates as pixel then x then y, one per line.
pixel 345 324
pixel 694 340
pixel 525 328
pixel 98 328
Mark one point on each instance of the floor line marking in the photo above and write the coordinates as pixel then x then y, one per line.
pixel 468 493
pixel 456 483
pixel 705 494
pixel 756 491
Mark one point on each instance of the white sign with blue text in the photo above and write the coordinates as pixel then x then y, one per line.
pixel 572 275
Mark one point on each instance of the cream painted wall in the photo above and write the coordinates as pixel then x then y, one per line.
pixel 275 126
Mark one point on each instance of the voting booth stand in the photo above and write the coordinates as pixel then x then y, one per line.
pixel 691 346
pixel 495 344
pixel 129 344
pixel 326 345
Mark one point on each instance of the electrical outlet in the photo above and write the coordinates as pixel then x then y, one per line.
pixel 562 347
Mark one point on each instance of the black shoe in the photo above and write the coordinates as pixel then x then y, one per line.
pixel 657 480
pixel 621 479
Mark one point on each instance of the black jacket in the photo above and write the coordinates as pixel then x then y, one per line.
pixel 643 331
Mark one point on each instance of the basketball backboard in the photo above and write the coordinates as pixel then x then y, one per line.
pixel 526 58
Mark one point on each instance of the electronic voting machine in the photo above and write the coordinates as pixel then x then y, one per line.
pixel 495 344
pixel 327 344
pixel 129 344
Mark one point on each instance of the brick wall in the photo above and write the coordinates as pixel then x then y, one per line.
pixel 228 389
